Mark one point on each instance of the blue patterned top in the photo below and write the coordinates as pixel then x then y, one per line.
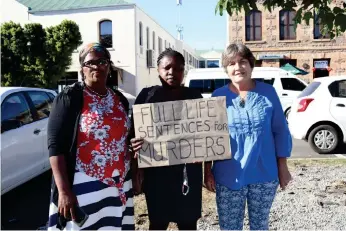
pixel 258 135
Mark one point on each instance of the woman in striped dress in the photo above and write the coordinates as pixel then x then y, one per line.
pixel 87 141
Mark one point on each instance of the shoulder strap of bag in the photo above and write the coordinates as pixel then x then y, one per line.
pixel 151 93
pixel 146 94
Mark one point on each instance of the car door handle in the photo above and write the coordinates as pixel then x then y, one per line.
pixel 284 94
pixel 340 105
pixel 37 131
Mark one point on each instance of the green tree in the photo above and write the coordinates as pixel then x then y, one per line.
pixel 333 17
pixel 34 56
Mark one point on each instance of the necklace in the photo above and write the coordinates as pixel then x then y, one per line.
pixel 242 99
pixel 242 103
pixel 100 95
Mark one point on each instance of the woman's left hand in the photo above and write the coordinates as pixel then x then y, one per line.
pixel 284 174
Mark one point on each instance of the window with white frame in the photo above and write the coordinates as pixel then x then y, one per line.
pixel 213 63
pixel 160 45
pixel 201 64
pixel 140 34
pixel 253 24
pixel 148 44
pixel 287 31
pixel 105 33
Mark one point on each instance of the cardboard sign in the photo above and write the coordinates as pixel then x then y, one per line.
pixel 184 131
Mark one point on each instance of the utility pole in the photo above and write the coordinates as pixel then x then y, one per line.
pixel 179 25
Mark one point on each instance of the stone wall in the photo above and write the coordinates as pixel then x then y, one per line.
pixel 305 48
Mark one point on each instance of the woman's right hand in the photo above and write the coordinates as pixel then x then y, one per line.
pixel 66 204
pixel 136 144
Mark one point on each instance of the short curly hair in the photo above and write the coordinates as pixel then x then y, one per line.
pixel 239 49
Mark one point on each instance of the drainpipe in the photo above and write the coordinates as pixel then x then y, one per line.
pixel 136 54
pixel 29 8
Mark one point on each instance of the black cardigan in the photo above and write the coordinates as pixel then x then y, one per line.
pixel 63 128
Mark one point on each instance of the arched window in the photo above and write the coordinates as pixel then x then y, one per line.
pixel 287 31
pixel 140 34
pixel 253 25
pixel 148 44
pixel 160 45
pixel 106 35
pixel 154 45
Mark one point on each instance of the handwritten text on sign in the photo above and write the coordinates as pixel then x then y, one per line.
pixel 184 131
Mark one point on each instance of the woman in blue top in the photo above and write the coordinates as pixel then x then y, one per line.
pixel 260 143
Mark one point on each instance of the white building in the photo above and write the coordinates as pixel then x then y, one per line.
pixel 134 39
pixel 209 58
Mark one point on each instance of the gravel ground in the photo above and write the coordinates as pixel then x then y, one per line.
pixel 315 199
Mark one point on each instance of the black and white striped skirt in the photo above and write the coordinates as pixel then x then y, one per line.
pixel 101 202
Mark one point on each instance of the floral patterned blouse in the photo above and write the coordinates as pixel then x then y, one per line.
pixel 101 148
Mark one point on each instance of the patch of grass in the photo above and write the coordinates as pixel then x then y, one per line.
pixel 314 162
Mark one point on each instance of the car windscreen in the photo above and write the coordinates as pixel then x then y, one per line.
pixel 206 86
pixel 311 88
pixel 268 81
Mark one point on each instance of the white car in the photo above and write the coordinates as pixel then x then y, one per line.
pixel 287 85
pixel 319 114
pixel 24 119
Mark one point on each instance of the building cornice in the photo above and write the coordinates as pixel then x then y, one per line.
pixel 81 8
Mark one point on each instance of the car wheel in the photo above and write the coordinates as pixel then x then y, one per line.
pixel 323 139
pixel 287 113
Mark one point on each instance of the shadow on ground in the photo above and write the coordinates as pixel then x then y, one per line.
pixel 27 206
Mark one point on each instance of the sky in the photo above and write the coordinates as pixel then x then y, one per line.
pixel 202 28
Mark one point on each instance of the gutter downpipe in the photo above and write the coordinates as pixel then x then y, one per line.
pixel 136 49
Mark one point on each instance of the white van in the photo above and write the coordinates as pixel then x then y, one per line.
pixel 287 85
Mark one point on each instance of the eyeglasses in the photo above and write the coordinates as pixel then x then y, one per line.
pixel 97 62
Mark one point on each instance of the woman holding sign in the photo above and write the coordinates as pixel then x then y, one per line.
pixel 173 193
pixel 260 144
pixel 87 141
